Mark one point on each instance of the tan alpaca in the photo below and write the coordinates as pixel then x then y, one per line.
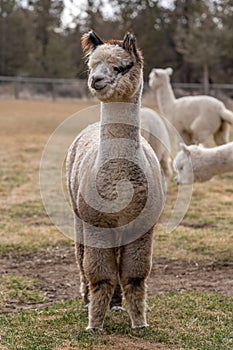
pixel 99 160
pixel 194 117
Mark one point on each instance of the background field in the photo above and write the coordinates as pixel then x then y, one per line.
pixel 190 287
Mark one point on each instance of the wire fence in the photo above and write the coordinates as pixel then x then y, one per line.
pixel 24 87
pixel 30 88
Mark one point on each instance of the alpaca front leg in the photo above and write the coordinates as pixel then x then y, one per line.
pixel 135 295
pixel 101 270
pixel 100 296
pixel 135 266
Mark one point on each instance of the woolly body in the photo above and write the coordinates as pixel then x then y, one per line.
pixel 155 132
pixel 198 164
pixel 194 117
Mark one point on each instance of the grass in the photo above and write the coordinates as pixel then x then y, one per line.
pixel 179 321
pixel 190 244
pixel 206 231
pixel 19 288
pixel 25 228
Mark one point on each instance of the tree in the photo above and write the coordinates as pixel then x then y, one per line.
pixel 224 14
pixel 198 40
pixel 47 19
pixel 152 25
pixel 15 39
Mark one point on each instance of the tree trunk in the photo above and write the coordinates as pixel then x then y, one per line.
pixel 206 78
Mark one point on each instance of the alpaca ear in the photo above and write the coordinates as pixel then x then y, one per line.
pixel 89 42
pixel 169 70
pixel 129 44
pixel 154 71
pixel 184 148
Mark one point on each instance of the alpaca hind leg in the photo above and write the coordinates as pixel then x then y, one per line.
pixel 221 136
pixel 116 301
pixel 135 267
pixel 186 137
pixel 165 163
pixel 79 253
pixel 84 289
pixel 101 270
pixel 201 130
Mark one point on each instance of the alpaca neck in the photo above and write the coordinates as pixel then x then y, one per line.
pixel 119 125
pixel 166 98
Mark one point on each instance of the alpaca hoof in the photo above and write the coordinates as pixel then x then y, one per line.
pixel 94 329
pixel 117 308
pixel 140 326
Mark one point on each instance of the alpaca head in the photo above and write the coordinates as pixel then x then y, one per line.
pixel 158 76
pixel 115 68
pixel 183 166
pixel 188 165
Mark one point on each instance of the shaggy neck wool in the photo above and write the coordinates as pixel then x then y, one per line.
pixel 166 98
pixel 119 129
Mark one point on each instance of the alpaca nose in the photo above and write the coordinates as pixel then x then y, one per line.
pixel 96 82
pixel 177 180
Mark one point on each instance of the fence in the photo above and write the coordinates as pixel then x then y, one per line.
pixel 24 87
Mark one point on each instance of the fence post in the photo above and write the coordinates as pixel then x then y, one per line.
pixel 54 96
pixel 17 88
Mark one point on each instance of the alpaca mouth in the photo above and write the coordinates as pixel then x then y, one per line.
pixel 99 88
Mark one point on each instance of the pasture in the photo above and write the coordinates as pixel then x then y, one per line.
pixel 190 287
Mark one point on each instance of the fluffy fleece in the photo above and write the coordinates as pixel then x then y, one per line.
pixel 194 117
pixel 198 164
pixel 116 80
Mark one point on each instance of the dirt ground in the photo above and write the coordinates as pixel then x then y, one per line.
pixel 57 272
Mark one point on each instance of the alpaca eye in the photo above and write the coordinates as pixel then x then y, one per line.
pixel 123 69
pixel 119 69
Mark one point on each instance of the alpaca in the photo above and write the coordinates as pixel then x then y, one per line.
pixel 198 164
pixel 99 162
pixel 194 117
pixel 153 129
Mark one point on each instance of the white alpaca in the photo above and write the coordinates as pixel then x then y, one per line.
pixel 194 117
pixel 155 132
pixel 198 164
pixel 99 162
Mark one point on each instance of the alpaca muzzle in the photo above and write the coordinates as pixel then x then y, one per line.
pixel 97 83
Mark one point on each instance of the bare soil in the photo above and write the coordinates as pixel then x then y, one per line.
pixel 59 281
